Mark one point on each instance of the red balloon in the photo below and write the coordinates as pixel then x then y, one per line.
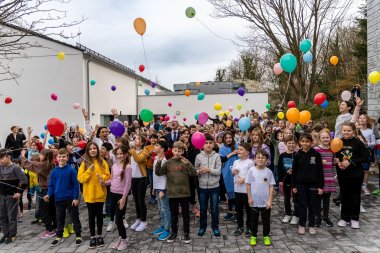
pixel 82 144
pixel 319 98
pixel 55 127
pixel 291 104
pixel 141 68
pixel 161 118
pixel 8 100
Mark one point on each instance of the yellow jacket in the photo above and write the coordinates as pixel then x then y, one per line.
pixel 93 191
pixel 32 178
pixel 140 158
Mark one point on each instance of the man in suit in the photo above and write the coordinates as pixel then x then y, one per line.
pixel 174 135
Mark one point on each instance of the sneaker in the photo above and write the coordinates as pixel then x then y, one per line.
pixel 66 232
pixel 201 232
pixel 253 241
pixel 48 234
pixel 354 224
pixel 142 226
pixel 110 226
pixel 117 244
pixel 342 223
pixel 158 230
pixel 3 239
pixel 164 236
pixel 228 217
pixel 301 230
pixel 318 222
pixel 135 225
pixel 217 234
pixel 70 228
pixel 238 231
pixel 294 220
pixel 312 230
pixel 286 219
pixel 365 190
pixel 93 243
pixel 247 232
pixel 362 210
pixel 194 209
pixel 57 241
pixel 186 238
pixel 11 239
pixel 78 241
pixel 327 222
pixel 35 222
pixel 234 218
pixel 172 237
pixel 123 245
pixel 125 224
pixel 267 241
pixel 100 241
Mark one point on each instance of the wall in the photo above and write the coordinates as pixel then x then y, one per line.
pixel 189 106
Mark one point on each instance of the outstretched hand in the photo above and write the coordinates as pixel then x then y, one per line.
pixel 85 113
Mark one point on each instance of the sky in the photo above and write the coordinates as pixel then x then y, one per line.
pixel 178 49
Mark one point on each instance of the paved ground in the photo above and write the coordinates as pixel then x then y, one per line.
pixel 284 237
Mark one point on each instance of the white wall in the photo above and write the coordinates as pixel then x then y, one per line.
pixel 189 106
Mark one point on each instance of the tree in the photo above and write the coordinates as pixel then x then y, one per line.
pixel 360 46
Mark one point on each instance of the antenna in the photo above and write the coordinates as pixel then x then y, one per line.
pixel 79 34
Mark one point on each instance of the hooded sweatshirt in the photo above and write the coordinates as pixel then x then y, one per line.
pixel 63 183
pixel 212 161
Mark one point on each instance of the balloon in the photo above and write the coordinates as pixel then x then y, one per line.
pixel 55 127
pixel 230 109
pixel 336 145
pixel 140 26
pixel 45 127
pixel 141 68
pixel 201 96
pixel 161 118
pixel 198 140
pixel 187 93
pixel 139 83
pixel 236 119
pixel 221 114
pixel 51 141
pixel 196 116
pixel 325 104
pixel 167 118
pixel 54 96
pixel 267 106
pixel 319 98
pixel 146 115
pixel 145 123
pixel 170 104
pixel 8 100
pixel 239 106
pixel 117 128
pixel 147 92
pixel 244 124
pixel 198 84
pixel 305 116
pixel 113 87
pixel 374 77
pixel 277 69
pixel 184 119
pixel 229 123
pixel 42 135
pixel 288 62
pixel 280 115
pixel 76 105
pixel 227 113
pixel 218 106
pixel 308 57
pixel 305 45
pixel 153 84
pixel 61 55
pixel 202 118
pixel 190 12
pixel 82 144
pixel 291 104
pixel 332 134
pixel 241 91
pixel 293 115
pixel 92 82
pixel 334 60
pixel 174 117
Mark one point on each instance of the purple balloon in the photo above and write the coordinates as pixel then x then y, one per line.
pixel 117 128
pixel 202 118
pixel 241 91
pixel 332 134
pixel 153 84
pixel 113 87
pixel 236 119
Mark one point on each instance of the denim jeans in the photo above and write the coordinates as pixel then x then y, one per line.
pixel 204 196
pixel 163 204
pixel 36 190
pixel 150 178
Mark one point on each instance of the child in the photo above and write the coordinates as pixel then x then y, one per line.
pixel 260 187
pixel 93 173
pixel 11 176
pixel 307 182
pixel 257 142
pixel 285 164
pixel 328 174
pixel 33 189
pixel 240 170
pixel 121 180
pixel 64 187
pixel 208 166
pixel 159 185
pixel 149 166
pixel 177 170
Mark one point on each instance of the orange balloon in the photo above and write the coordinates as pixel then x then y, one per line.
pixel 146 123
pixel 334 60
pixel 140 26
pixel 293 115
pixel 336 145
pixel 305 116
pixel 187 93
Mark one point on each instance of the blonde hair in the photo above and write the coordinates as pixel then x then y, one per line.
pixel 179 145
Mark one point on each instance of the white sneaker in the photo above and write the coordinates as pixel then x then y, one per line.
pixel 355 224
pixel 136 224
pixel 142 226
pixel 126 224
pixel 365 190
pixel 362 210
pixel 294 220
pixel 342 223
pixel 286 219
pixel 110 226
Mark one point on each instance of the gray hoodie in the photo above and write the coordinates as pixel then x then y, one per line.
pixel 212 161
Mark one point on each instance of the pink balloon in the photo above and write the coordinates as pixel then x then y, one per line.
pixel 54 96
pixel 170 104
pixel 184 119
pixel 230 109
pixel 198 140
pixel 174 117
pixel 76 105
pixel 277 69
pixel 202 118
pixel 167 118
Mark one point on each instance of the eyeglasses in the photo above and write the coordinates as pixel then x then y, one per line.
pixel 260 158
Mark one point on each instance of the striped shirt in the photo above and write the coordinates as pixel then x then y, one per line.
pixel 328 169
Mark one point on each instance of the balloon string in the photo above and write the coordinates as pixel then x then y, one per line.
pixel 146 61
pixel 286 92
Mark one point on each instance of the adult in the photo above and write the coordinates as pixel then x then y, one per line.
pixel 345 108
pixel 14 141
pixel 102 134
pixel 174 135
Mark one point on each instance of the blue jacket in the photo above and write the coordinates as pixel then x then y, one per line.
pixel 63 183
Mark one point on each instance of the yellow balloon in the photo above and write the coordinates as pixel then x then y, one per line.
pixel 227 113
pixel 305 116
pixel 217 106
pixel 293 115
pixel 140 26
pixel 374 77
pixel 221 114
pixel 81 130
pixel 280 115
pixel 228 123
pixel 198 84
pixel 61 55
pixel 334 60
pixel 336 145
pixel 239 106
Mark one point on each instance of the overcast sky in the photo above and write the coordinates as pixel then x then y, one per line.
pixel 179 49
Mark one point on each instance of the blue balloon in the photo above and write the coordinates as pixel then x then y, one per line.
pixel 325 104
pixel 147 92
pixel 308 57
pixel 51 141
pixel 305 45
pixel 42 135
pixel 45 127
pixel 244 124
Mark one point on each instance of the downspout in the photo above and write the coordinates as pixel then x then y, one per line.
pixel 137 97
pixel 88 87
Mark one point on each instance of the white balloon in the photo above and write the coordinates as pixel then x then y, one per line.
pixel 346 95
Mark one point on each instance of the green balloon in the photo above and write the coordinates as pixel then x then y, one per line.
pixel 267 106
pixel 146 115
pixel 196 116
pixel 92 82
pixel 201 96
pixel 288 62
pixel 305 45
pixel 190 12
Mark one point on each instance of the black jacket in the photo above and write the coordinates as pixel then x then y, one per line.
pixel 170 139
pixel 15 144
pixel 308 169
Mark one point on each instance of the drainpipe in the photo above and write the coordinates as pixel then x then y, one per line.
pixel 88 87
pixel 137 97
